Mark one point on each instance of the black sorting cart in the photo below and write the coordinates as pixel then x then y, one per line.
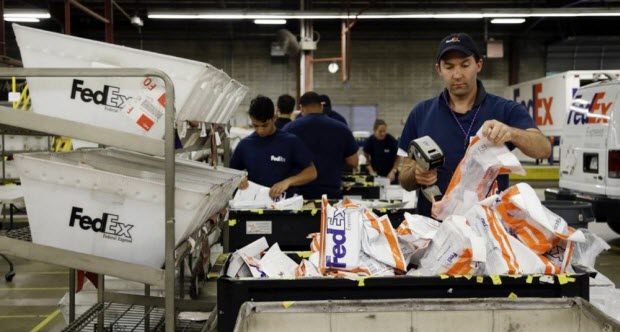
pixel 289 228
pixel 358 178
pixel 366 190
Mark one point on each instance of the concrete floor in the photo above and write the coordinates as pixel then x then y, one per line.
pixel 30 301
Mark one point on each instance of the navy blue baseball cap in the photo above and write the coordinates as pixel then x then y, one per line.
pixel 460 42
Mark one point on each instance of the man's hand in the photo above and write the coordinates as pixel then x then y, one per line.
pixel 279 188
pixel 497 132
pixel 425 178
pixel 391 175
pixel 371 171
pixel 244 183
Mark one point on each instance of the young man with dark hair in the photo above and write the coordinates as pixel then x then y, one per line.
pixel 332 145
pixel 284 110
pixel 327 110
pixel 380 150
pixel 460 110
pixel 272 158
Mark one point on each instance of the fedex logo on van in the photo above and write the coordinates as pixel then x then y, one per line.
pixel 583 112
pixel 109 96
pixel 538 106
pixel 337 230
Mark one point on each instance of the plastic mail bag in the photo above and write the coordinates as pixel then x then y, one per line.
pixel 475 174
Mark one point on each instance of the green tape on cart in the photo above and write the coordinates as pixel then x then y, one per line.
pixel 259 211
pixel 313 212
pixel 232 222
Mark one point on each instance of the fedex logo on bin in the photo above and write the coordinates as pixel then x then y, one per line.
pixel 108 225
pixel 336 229
pixel 109 96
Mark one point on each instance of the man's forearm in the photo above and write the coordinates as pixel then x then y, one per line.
pixel 532 143
pixel 407 175
pixel 308 174
pixel 396 164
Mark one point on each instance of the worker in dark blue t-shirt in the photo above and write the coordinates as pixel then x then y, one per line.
pixel 455 116
pixel 284 110
pixel 380 150
pixel 272 158
pixel 327 110
pixel 332 145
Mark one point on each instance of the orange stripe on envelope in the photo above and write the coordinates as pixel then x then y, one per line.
pixel 502 238
pixel 385 227
pixel 462 266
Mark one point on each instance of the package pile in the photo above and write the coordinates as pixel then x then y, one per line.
pixel 256 196
pixel 481 233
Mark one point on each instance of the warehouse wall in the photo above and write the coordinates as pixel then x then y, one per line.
pixel 394 75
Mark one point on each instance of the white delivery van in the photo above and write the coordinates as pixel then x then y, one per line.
pixel 548 98
pixel 590 151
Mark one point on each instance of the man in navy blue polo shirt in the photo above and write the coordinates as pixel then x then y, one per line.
pixel 453 117
pixel 273 158
pixel 331 142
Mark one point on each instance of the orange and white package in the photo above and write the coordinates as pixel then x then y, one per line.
pixel 380 242
pixel 341 236
pixel 560 256
pixel 474 176
pixel 372 267
pixel 454 250
pixel 414 235
pixel 315 241
pixel 505 254
pixel 368 267
pixel 536 226
pixel 307 269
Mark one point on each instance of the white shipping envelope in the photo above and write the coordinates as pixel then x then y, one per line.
pixel 253 249
pixel 277 264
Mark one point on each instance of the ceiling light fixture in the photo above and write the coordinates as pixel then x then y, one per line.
pixel 272 22
pixel 507 20
pixel 25 13
pixel 333 67
pixel 327 15
pixel 22 19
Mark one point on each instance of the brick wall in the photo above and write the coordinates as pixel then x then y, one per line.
pixel 394 75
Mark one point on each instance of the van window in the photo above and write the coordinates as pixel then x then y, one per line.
pixel 590 163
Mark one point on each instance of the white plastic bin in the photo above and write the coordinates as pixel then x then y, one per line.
pixel 10 171
pixel 110 203
pixel 20 143
pixel 105 101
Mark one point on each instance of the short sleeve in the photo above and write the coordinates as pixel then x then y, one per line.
pixel 409 131
pixel 350 146
pixel 518 117
pixel 368 147
pixel 302 156
pixel 236 161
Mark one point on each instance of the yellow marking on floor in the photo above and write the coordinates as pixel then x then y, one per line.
pixel 44 273
pixel 22 316
pixel 46 321
pixel 33 289
pixel 548 173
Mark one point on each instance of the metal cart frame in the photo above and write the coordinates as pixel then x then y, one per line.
pixel 108 137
